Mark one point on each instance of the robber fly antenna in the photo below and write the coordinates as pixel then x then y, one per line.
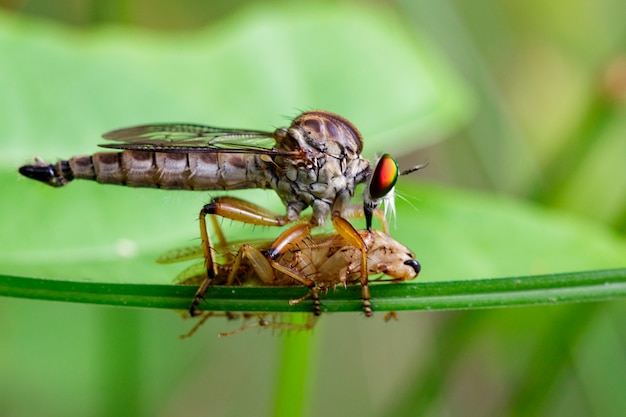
pixel 415 168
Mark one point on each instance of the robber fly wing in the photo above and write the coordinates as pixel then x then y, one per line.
pixel 185 137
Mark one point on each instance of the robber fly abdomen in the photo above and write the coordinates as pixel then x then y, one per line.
pixel 181 171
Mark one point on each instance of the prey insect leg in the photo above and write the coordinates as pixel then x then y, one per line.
pixel 260 321
pixel 287 241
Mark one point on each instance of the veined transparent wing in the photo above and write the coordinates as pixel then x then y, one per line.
pixel 187 137
pixel 187 253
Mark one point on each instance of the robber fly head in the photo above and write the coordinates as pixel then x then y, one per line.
pixel 381 185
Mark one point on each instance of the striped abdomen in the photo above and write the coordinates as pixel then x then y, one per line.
pixel 182 171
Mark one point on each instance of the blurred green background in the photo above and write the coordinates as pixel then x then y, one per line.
pixel 518 108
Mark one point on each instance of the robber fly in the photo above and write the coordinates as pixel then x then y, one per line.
pixel 316 262
pixel 314 162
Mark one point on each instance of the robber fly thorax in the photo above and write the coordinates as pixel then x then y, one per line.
pixel 314 162
pixel 317 262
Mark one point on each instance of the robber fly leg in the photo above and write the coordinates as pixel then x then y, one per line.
pixel 197 299
pixel 289 239
pixel 235 209
pixel 243 211
pixel 210 265
pixel 349 233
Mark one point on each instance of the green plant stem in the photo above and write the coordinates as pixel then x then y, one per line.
pixel 296 358
pixel 482 293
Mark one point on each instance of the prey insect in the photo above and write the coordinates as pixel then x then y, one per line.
pixel 316 262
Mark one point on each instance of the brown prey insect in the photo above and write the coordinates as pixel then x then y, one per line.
pixel 317 262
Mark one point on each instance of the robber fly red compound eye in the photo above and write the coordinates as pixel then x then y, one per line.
pixel 384 177
pixel 380 187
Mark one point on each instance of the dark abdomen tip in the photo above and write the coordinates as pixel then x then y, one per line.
pixel 56 176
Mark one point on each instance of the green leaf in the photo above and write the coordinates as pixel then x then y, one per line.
pixel 466 235
pixel 63 88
